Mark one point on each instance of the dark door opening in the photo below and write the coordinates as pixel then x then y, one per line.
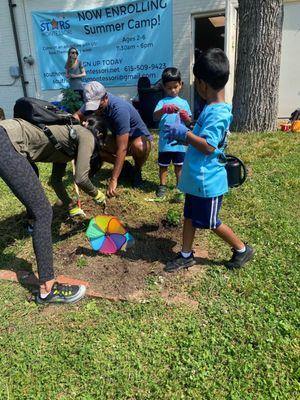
pixel 209 32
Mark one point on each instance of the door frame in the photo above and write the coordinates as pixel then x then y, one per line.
pixel 230 45
pixel 230 40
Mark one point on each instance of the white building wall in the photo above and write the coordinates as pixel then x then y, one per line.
pixel 8 58
pixel 184 12
pixel 182 47
pixel 289 83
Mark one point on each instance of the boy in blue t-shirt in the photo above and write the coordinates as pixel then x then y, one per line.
pixel 166 111
pixel 204 177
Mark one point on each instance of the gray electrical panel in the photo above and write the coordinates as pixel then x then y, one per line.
pixel 14 71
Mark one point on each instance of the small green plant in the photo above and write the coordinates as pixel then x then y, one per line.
pixel 71 100
pixel 81 262
pixel 173 217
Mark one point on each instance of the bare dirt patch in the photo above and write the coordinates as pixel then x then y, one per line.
pixel 135 274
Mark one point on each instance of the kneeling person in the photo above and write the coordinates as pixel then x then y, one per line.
pixel 130 135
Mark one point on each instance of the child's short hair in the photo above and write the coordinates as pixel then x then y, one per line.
pixel 212 66
pixel 171 74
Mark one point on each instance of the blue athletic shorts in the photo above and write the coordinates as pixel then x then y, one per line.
pixel 204 212
pixel 166 157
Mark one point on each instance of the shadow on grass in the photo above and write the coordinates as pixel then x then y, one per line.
pixel 23 270
pixel 13 229
pixel 74 225
pixel 149 246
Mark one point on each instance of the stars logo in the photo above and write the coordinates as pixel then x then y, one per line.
pixel 54 24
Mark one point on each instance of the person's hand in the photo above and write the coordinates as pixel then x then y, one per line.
pixel 176 132
pixel 99 198
pixel 170 108
pixel 75 211
pixel 112 186
pixel 184 116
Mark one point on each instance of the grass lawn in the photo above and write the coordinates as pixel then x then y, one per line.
pixel 240 342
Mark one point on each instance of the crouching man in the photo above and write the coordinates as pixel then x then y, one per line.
pixel 129 135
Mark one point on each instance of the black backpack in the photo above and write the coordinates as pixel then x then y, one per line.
pixel 42 113
pixel 295 115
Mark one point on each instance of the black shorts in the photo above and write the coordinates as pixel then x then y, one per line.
pixel 166 157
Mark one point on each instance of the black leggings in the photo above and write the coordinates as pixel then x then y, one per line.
pixel 20 177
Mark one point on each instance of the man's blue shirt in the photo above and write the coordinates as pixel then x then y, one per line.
pixel 205 175
pixel 163 144
pixel 123 118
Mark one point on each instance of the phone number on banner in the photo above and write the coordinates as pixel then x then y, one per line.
pixel 144 67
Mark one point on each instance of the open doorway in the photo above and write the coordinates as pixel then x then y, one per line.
pixel 209 32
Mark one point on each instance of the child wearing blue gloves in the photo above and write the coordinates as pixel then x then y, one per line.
pixel 166 111
pixel 204 178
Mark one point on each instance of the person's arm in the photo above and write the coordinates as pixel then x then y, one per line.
pixel 85 150
pixel 120 127
pixel 58 172
pixel 79 115
pixel 82 72
pixel 185 114
pixel 82 75
pixel 122 145
pixel 166 109
pixel 211 133
pixel 185 117
pixel 199 143
pixel 158 114
pixel 180 134
pixel 67 71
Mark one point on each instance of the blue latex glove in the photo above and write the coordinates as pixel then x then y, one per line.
pixel 176 132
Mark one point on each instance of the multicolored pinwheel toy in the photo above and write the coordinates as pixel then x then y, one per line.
pixel 107 234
